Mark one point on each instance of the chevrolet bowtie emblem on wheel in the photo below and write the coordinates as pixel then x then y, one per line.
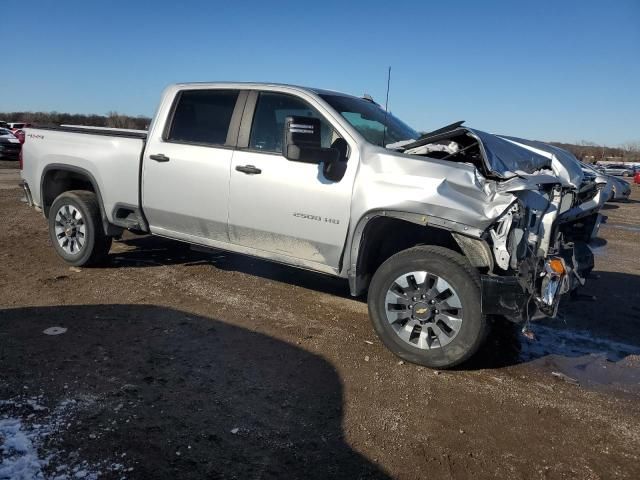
pixel 420 311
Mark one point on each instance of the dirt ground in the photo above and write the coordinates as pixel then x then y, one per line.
pixel 184 364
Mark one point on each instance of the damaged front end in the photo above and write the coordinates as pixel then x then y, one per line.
pixel 540 242
pixel 541 247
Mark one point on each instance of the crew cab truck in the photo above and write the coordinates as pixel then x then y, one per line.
pixel 443 230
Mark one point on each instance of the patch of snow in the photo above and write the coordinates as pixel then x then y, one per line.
pixel 25 425
pixel 572 343
pixel 19 457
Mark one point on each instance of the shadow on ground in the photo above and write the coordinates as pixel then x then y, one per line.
pixel 609 325
pixel 184 396
pixel 610 206
pixel 151 251
pixel 594 340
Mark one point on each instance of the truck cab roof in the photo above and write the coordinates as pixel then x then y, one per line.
pixel 258 86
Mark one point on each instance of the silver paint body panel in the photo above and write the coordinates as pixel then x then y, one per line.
pixel 113 162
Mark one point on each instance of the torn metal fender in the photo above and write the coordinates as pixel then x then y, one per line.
pixel 457 192
pixel 438 193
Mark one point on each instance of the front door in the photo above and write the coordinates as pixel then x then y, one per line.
pixel 185 181
pixel 288 208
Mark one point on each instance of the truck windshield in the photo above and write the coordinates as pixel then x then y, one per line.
pixel 370 120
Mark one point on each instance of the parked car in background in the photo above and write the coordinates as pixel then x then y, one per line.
pixel 620 189
pixel 4 124
pixel 617 169
pixel 15 126
pixel 9 145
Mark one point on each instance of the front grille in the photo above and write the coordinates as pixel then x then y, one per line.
pixel 588 190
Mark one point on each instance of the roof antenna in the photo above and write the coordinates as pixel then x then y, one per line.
pixel 386 110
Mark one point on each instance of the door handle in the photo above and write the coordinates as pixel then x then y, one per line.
pixel 159 157
pixel 248 169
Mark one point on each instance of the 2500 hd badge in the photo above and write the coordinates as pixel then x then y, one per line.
pixel 317 218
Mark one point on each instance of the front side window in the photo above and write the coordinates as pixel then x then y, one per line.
pixel 203 116
pixel 267 129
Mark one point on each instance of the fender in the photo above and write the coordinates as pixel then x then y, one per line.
pixel 355 243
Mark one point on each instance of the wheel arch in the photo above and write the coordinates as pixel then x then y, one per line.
pixel 59 178
pixel 383 233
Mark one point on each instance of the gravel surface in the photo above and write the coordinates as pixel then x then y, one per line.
pixel 183 364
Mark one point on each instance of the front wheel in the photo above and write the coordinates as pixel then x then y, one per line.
pixel 75 228
pixel 424 304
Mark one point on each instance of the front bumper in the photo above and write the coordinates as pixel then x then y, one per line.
pixel 503 296
pixel 519 298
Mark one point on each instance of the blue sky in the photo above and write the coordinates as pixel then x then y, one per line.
pixel 549 70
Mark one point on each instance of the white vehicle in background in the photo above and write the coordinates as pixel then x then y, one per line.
pixel 443 230
pixel 13 126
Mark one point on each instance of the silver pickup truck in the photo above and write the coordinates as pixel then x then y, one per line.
pixel 444 230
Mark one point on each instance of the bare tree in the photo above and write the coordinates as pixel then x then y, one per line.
pixel 114 119
pixel 631 151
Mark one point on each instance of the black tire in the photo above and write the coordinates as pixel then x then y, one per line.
pixel 465 281
pixel 95 244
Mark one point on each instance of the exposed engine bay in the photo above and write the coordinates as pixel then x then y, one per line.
pixel 545 250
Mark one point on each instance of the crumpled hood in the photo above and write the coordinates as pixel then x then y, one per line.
pixel 506 157
pixel 563 163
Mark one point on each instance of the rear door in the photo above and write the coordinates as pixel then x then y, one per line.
pixel 185 181
pixel 284 207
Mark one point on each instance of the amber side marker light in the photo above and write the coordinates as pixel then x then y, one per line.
pixel 557 266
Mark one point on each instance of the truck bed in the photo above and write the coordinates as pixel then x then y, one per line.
pixel 109 157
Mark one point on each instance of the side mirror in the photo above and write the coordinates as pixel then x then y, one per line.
pixel 302 142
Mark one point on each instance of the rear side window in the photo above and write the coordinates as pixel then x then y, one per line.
pixel 203 116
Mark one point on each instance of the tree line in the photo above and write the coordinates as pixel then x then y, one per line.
pixel 591 152
pixel 111 119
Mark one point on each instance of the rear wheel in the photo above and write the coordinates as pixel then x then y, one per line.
pixel 75 228
pixel 424 304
